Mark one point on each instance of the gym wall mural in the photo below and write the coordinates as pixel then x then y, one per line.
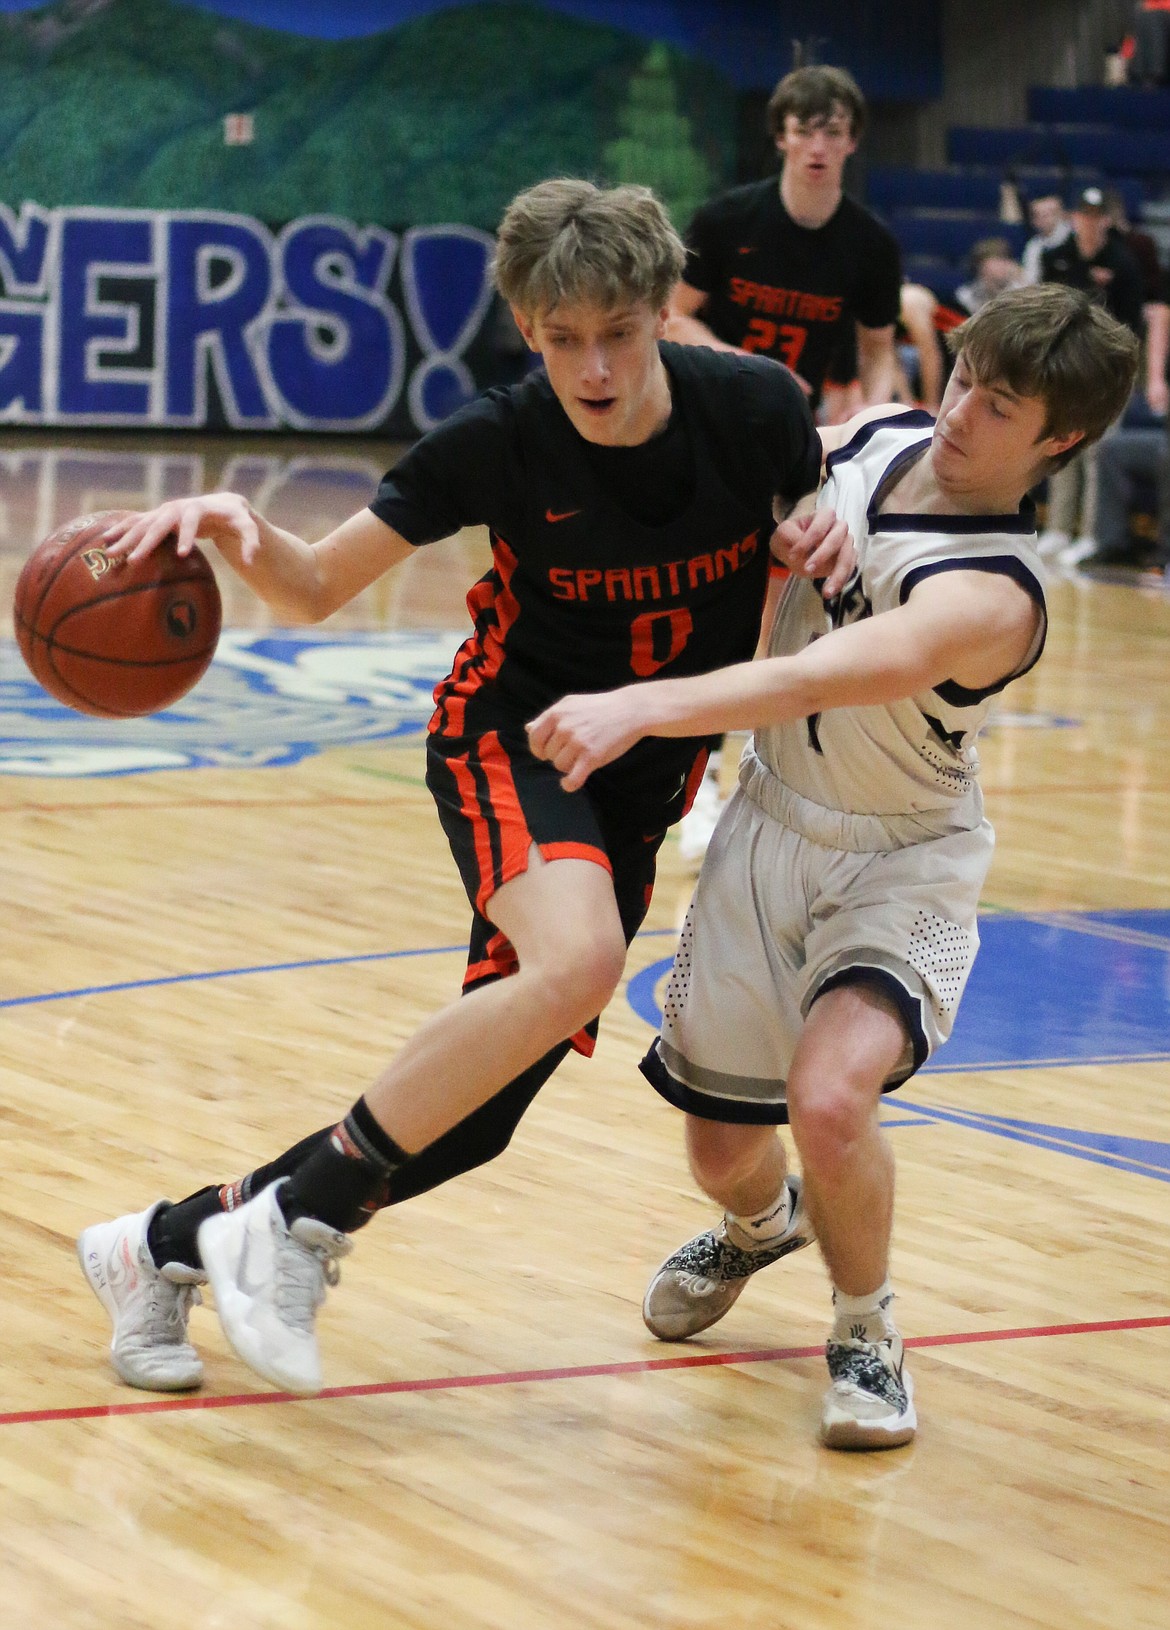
pixel 278 214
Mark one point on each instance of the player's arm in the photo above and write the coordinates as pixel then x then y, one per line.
pixel 1157 315
pixel 684 324
pixel 303 582
pixel 976 628
pixel 918 307
pixel 877 364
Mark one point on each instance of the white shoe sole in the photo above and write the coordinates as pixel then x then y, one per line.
pixel 235 1315
pixel 183 1380
pixel 841 1430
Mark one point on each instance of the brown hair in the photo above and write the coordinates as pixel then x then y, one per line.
pixel 1053 342
pixel 568 241
pixel 814 93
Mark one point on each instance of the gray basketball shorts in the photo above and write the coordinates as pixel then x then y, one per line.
pixel 778 919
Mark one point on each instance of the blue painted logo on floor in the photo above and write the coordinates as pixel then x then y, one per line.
pixel 1066 988
pixel 267 699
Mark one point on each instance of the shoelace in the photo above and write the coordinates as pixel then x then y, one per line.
pixel 167 1310
pixel 302 1273
pixel 869 1366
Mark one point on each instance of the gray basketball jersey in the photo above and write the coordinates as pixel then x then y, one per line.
pixel 914 757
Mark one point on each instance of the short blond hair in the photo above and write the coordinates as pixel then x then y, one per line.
pixel 570 242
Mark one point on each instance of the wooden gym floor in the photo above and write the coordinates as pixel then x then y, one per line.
pixel 205 961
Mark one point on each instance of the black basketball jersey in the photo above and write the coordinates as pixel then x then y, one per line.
pixel 787 291
pixel 583 596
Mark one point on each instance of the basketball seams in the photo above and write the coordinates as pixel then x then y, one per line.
pixel 128 656
pixel 125 662
pixel 121 594
pixel 83 702
pixel 83 528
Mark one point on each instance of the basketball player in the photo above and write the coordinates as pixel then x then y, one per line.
pixel 628 489
pixel 796 270
pixel 834 922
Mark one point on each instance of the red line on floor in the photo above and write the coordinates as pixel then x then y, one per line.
pixel 571 1372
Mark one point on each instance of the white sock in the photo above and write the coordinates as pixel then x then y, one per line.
pixel 763 1227
pixel 864 1318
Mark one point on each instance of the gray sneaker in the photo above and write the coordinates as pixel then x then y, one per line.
pixel 269 1280
pixel 695 1287
pixel 148 1306
pixel 870 1404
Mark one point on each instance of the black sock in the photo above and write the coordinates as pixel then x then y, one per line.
pixel 283 1166
pixel 172 1231
pixel 171 1236
pixel 346 1177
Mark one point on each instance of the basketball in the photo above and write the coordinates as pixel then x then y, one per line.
pixel 114 637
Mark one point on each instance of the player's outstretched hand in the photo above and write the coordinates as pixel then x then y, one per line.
pixel 222 518
pixel 817 544
pixel 579 734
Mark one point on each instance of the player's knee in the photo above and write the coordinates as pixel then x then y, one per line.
pixel 828 1120
pixel 580 976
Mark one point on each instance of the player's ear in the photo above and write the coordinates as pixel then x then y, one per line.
pixel 1054 446
pixel 524 323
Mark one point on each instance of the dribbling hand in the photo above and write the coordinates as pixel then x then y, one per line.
pixel 222 518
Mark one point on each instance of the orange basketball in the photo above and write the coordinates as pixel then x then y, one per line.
pixel 109 637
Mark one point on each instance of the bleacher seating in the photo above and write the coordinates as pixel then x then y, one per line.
pixel 1121 107
pixel 1091 136
pixel 951 233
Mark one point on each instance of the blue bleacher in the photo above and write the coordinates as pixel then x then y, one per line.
pixel 940 276
pixel 951 234
pixel 1117 152
pixel 896 186
pixel 1121 107
pixel 1092 136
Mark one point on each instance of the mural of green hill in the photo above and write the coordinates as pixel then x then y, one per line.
pixel 122 103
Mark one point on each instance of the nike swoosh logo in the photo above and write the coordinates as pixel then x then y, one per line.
pixel 252 1288
pixel 550 515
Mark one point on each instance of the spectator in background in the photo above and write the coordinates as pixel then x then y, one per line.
pixel 1139 243
pixel 1092 258
pixel 921 362
pixel 1050 226
pixel 796 270
pixel 993 271
pixel 1155 296
pixel 1133 477
pixel 1133 463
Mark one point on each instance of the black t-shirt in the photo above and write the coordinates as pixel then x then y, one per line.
pixel 787 291
pixel 610 565
pixel 1121 295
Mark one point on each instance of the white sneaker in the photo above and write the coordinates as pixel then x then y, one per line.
pixel 1051 542
pixel 700 821
pixel 148 1305
pixel 870 1404
pixel 697 1284
pixel 269 1280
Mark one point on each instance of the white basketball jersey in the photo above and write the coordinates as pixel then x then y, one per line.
pixel 916 756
